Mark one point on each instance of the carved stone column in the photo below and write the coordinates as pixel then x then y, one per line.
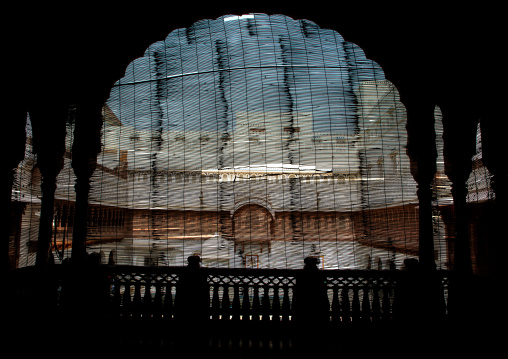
pixel 461 246
pixel 421 149
pixel 86 147
pixel 459 134
pixel 48 125
pixel 13 148
pixel 494 157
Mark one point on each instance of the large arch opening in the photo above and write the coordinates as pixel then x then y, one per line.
pixel 241 109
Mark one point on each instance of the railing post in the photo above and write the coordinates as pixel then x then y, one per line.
pixel 192 300
pixel 192 306
pixel 311 309
pixel 417 296
pixel 85 303
pixel 310 304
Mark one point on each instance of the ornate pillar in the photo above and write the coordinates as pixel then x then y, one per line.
pixel 494 157
pixel 86 147
pixel 48 125
pixel 13 144
pixel 459 133
pixel 459 138
pixel 421 149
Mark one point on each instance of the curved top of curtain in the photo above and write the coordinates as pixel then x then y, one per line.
pixel 200 77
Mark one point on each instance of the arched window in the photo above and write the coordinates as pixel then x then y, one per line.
pixel 261 109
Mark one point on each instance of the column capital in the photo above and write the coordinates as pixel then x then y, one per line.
pixel 421 140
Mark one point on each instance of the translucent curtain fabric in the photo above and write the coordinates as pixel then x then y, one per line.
pixel 252 141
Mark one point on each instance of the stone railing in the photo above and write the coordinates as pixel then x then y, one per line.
pixel 259 295
pixel 224 303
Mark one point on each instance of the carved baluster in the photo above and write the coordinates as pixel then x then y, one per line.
pixel 116 301
pixel 246 303
pixel 276 305
pixel 266 304
pixel 366 314
pixel 168 303
pixel 442 300
pixel 335 306
pixel 215 312
pixel 235 336
pixel 355 306
pixel 126 300
pixel 147 300
pixel 376 303
pixel 226 303
pixel 256 305
pixel 327 306
pixel 345 307
pixel 386 306
pixel 215 303
pixel 157 302
pixel 136 301
pixel 286 305
pixel 235 307
pixel 265 315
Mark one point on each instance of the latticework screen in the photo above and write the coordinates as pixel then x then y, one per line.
pixel 253 141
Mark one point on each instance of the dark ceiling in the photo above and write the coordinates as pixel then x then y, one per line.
pixel 423 44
